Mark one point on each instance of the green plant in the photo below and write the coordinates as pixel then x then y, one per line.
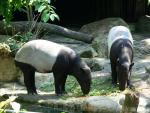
pixel 100 86
pixel 16 41
pixel 42 6
pixel 47 86
pixel 103 86
pixel 7 7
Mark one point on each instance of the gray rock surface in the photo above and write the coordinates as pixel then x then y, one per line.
pixel 100 105
pixel 102 26
pixel 8 70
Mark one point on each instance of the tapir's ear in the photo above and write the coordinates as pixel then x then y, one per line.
pixel 131 65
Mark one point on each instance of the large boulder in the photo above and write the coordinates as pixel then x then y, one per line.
pixel 102 26
pixel 99 30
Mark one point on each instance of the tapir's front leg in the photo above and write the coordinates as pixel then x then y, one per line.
pixel 129 84
pixel 60 80
pixel 114 73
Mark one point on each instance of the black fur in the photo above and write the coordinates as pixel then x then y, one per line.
pixel 29 76
pixel 121 57
pixel 62 67
pixel 66 64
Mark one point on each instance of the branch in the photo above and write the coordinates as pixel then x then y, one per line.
pixel 24 26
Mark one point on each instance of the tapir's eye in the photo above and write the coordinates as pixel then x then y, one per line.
pixel 83 70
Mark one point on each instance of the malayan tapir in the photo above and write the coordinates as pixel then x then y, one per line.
pixel 120 52
pixel 45 56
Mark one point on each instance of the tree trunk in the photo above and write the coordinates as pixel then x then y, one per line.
pixel 43 28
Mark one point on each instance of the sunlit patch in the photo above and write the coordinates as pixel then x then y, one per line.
pixel 66 29
pixel 16 106
pixel 147 41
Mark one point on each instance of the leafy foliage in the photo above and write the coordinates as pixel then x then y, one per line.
pixel 42 6
pixel 7 7
pixel 17 41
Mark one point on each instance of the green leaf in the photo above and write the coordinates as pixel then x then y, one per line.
pixel 41 8
pixel 53 16
pixel 37 5
pixel 56 16
pixel 45 17
pixel 49 1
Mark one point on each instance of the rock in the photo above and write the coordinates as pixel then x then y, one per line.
pixel 102 26
pixel 94 66
pixel 8 70
pixel 147 69
pixel 98 64
pixel 100 45
pixel 142 48
pixel 88 53
pixel 83 49
pixel 100 104
pixel 61 39
pixel 99 30
pixel 143 24
pixel 140 66
pixel 144 103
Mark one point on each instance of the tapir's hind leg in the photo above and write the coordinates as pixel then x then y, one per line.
pixel 29 80
pixel 29 77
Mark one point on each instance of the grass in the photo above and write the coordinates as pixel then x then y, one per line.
pixel 103 86
pixel 100 86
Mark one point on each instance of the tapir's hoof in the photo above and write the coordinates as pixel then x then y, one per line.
pixel 114 84
pixel 132 87
pixel 60 94
pixel 32 93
